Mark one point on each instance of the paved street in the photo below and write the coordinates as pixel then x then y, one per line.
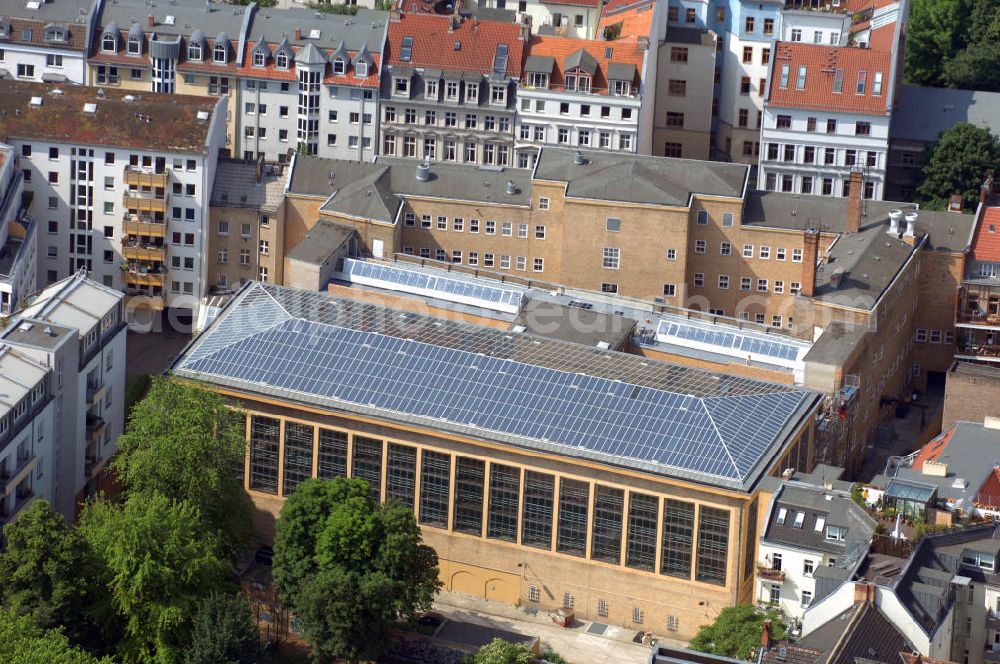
pixel 574 643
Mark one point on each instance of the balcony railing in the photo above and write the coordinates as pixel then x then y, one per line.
pixel 974 317
pixel 980 350
pixel 10 479
pixel 138 298
pixel 136 251
pixel 143 177
pixel 143 226
pixel 95 394
pixel 145 201
pixel 770 574
pixel 137 278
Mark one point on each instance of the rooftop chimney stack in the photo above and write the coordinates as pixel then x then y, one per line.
pixel 854 203
pixel 511 189
pixel 150 21
pixel 578 158
pixel 765 635
pixel 810 253
pixel 910 235
pixel 298 33
pixel 424 170
pixel 894 217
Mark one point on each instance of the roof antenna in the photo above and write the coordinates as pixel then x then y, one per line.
pixel 578 158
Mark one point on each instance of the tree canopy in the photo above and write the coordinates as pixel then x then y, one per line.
pixel 24 642
pixel 957 163
pixel 184 443
pixel 159 562
pixel 349 567
pixel 954 43
pixel 48 571
pixel 499 651
pixel 736 632
pixel 224 632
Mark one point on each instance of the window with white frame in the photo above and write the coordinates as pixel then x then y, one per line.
pixel 611 258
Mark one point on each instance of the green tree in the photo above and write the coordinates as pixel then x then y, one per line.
pixel 977 67
pixel 224 632
pixel 350 567
pixel 185 443
pixel 49 572
pixel 499 651
pixel 935 34
pixel 736 632
pixel 160 561
pixel 957 163
pixel 24 642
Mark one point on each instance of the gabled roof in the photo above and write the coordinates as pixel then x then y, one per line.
pixel 434 44
pixel 989 493
pixel 310 55
pixel 527 392
pixel 580 59
pixel 986 245
pixel 822 64
pixel 861 634
pixel 557 55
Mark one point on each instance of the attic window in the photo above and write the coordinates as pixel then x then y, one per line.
pixel 281 60
pixel 219 54
pixel 782 513
pixel 339 67
pixel 985 561
pixel 820 523
pixel 258 59
pixel 406 52
pixel 361 69
pixel 54 34
pixel 314 33
pixel 26 35
pixel 836 533
pixel 109 43
pixel 134 46
pixel 194 51
pixel 169 20
pixel 799 518
pixel 608 52
pixel 838 81
pixel 457 46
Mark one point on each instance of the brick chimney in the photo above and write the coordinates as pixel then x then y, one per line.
pixel 525 28
pixel 810 253
pixel 298 33
pixel 150 21
pixel 765 635
pixel 864 592
pixel 854 203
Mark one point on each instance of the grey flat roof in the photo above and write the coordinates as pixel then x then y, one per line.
pixel 682 35
pixel 36 333
pixel 525 391
pixel 320 242
pixel 633 178
pixel 923 113
pixel 569 323
pixel 189 15
pixel 236 186
pixel 366 28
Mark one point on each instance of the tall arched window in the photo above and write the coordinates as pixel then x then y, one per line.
pixel 219 53
pixel 108 43
pixel 281 60
pixel 194 51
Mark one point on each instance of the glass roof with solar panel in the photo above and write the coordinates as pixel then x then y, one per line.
pixel 774 349
pixel 543 394
pixel 496 296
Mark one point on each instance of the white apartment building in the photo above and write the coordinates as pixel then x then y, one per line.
pixel 63 381
pixel 45 40
pixel 313 83
pixel 813 528
pixel 120 185
pixel 682 125
pixel 566 18
pixel 827 114
pixel 18 248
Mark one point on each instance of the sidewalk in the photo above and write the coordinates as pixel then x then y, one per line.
pixel 575 643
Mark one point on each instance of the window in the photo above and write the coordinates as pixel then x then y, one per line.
pixel 877 84
pixel 637 612
pixel 298 455
pixel 538 265
pixel 675 119
pixel 671 254
pixel 533 594
pixel 699 279
pixel 543 203
pixel 677 88
pixel 765 252
pixel 726 249
pixel 862 129
pixel 264 454
pixel 800 79
pixel 609 288
pixel 699 246
pixel 25 71
pixel 796 34
pixel 723 281
pixel 808 566
pixel 53 60
pixel 669 290
pixel 640 548
pixel 747 251
pixel 747 54
pixel 504 499
pixel 768 26
pixel 862 82
pixel 713 545
pixel 748 24
pixel 602 608
pixel 435 474
pixel 807 597
pixel 762 285
pixel 469 483
pixel 745 85
pixel 539 232
pixel 678 54
pixel 611 258
pixel 745 283
pixel 784 76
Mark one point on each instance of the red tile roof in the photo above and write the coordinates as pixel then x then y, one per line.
pixel 434 43
pixel 986 243
pixel 270 72
pixel 636 18
pixel 989 493
pixel 933 450
pixel 560 48
pixel 821 63
pixel 574 3
pixel 76 34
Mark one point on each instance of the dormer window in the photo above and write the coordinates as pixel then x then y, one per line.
pixel 361 69
pixel 498 94
pixel 4 29
pixel 219 54
pixel 281 60
pixel 539 80
pixel 578 82
pixel 984 561
pixel 134 46
pixel 108 43
pixel 401 86
pixel 194 52
pixel 258 59
pixel 622 88
pixel 431 89
pixel 339 67
pixel 55 34
pixel 472 92
pixel 451 90
pixel 836 533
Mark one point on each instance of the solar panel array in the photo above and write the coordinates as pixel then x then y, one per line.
pixel 732 340
pixel 721 436
pixel 500 61
pixel 501 297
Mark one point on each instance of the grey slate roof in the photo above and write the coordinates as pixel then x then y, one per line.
pixel 862 633
pixel 621 72
pixel 923 113
pixel 821 508
pixel 369 197
pixel 320 242
pixel 580 59
pixel 236 186
pixel 539 64
pixel 368 26
pixel 837 343
pixel 189 15
pixel 971 453
pixel 639 179
pixel 310 55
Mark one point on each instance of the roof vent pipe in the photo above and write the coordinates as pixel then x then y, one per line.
pixel 911 224
pixel 424 171
pixel 894 217
pixel 578 158
pixel 511 190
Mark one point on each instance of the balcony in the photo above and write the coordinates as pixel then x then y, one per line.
pixel 95 393
pixel 136 176
pixel 95 428
pixel 144 226
pixel 768 573
pixel 140 251
pixel 9 480
pixel 979 306
pixel 145 201
pixel 992 620
pixel 990 655
pixel 135 277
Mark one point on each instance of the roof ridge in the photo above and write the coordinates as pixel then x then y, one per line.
pixel 718 434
